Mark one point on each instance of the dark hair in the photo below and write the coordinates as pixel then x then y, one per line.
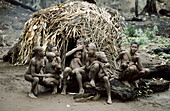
pixel 49 48
pixel 37 49
pixel 134 43
pixel 81 39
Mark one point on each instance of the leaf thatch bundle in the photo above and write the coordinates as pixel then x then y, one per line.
pixel 62 25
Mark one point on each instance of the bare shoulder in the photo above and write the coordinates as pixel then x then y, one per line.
pixel 58 58
pixel 32 61
pixel 138 56
pixel 123 53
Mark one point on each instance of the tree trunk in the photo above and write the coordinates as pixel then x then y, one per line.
pixel 136 8
pixel 150 8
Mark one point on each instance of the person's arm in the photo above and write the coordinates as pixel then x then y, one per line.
pixel 140 66
pixel 59 62
pixel 74 50
pixel 79 62
pixel 119 57
pixel 32 65
pixel 87 64
pixel 33 70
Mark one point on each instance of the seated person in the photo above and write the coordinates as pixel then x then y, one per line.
pixel 131 66
pixel 104 73
pixel 34 73
pixel 76 66
pixel 91 66
pixel 51 69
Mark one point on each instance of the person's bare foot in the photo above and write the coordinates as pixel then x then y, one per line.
pixel 126 83
pixel 64 90
pixel 81 91
pixel 54 90
pixel 109 101
pixel 92 83
pixel 31 95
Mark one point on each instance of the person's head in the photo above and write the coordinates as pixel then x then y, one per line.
pixel 39 51
pixel 49 48
pixel 77 54
pixel 80 42
pixel 91 49
pixel 134 47
pixel 54 49
pixel 101 56
pixel 50 56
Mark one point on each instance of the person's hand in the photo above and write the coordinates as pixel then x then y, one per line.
pixel 80 47
pixel 48 75
pixel 54 63
pixel 131 63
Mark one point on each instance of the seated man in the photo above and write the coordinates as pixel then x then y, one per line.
pixel 76 66
pixel 130 65
pixel 91 66
pixel 34 73
pixel 52 70
pixel 104 73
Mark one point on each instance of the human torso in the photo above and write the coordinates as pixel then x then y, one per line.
pixel 49 68
pixel 129 59
pixel 75 63
pixel 38 64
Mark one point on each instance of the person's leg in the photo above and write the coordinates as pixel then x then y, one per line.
pixel 34 88
pixel 93 71
pixel 134 76
pixel 144 73
pixel 52 82
pixel 79 79
pixel 66 73
pixel 107 85
pixel 126 75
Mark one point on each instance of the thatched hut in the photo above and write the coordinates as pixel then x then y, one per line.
pixel 62 25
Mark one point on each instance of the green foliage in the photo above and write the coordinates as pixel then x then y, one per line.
pixel 140 36
pixel 130 30
pixel 145 37
pixel 145 90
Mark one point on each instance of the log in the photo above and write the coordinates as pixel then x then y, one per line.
pixel 14 2
pixel 124 93
pixel 165 12
pixel 155 86
pixel 162 71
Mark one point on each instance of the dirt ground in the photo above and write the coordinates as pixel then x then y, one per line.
pixel 14 90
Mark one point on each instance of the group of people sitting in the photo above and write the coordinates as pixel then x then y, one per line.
pixel 87 64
